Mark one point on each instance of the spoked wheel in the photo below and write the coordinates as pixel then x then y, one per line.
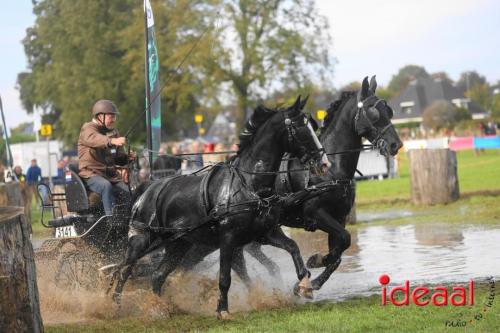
pixel 78 269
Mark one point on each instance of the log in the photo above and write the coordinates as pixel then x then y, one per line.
pixel 433 175
pixel 11 194
pixel 19 298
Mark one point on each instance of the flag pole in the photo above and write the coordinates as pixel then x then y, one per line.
pixel 7 145
pixel 149 134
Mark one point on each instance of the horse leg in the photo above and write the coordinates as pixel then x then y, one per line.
pixel 277 238
pixel 240 267
pixel 194 256
pixel 174 252
pixel 339 240
pixel 135 248
pixel 226 258
pixel 255 250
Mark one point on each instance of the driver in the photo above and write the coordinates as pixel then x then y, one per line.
pixel 100 149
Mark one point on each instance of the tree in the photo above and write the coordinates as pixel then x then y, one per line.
pixel 480 94
pixel 384 93
pixel 443 76
pixel 495 107
pixel 351 86
pixel 82 51
pixel 284 43
pixel 405 75
pixel 440 115
pixel 469 79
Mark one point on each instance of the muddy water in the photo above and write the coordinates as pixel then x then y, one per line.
pixel 422 253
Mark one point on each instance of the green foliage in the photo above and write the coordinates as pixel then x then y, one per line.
pixel 385 93
pixel 480 94
pixel 462 114
pixel 21 137
pixel 82 51
pixel 495 107
pixel 406 74
pixel 440 115
pixel 469 79
pixel 274 41
pixel 351 86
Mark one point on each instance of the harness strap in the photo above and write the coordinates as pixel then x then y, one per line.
pixel 313 191
pixel 284 177
pixel 205 199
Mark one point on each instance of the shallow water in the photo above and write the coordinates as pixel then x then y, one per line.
pixel 423 253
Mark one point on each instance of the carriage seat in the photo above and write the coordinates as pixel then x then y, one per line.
pixel 78 197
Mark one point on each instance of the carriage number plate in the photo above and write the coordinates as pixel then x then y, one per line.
pixel 63 232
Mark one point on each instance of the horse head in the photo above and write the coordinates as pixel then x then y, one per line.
pixel 301 138
pixel 373 119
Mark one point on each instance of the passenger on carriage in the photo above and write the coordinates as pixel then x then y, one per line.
pixel 100 150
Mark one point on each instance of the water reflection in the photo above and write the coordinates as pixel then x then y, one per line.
pixel 423 253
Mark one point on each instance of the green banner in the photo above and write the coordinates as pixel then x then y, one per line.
pixel 153 82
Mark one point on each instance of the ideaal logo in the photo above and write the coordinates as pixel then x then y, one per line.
pixel 459 296
pixel 439 296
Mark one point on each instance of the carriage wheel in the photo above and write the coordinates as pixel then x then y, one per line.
pixel 78 269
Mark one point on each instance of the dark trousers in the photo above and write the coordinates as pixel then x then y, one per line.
pixel 110 192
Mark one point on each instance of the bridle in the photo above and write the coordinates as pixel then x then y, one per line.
pixel 362 115
pixel 292 128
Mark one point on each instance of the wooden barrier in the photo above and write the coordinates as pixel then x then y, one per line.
pixel 433 174
pixel 19 300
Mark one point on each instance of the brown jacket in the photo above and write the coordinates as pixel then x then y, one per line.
pixel 96 156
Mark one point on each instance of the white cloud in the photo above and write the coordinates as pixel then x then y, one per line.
pixel 384 30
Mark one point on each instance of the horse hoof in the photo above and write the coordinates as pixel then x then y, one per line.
pixel 223 315
pixel 315 285
pixel 315 261
pixel 303 292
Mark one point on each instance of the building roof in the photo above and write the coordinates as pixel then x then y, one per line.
pixel 422 92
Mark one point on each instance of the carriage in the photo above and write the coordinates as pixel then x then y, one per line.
pixel 84 239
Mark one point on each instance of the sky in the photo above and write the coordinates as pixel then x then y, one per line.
pixel 370 37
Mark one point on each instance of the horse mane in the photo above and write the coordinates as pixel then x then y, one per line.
pixel 337 106
pixel 260 115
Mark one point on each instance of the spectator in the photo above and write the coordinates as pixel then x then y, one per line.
pixel 18 172
pixel 490 128
pixel 33 177
pixel 196 161
pixel 59 180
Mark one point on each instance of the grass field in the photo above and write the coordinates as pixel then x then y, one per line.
pixel 355 315
pixel 479 179
pixel 476 174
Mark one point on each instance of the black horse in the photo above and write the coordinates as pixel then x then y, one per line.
pixel 227 207
pixel 323 202
pixel 327 200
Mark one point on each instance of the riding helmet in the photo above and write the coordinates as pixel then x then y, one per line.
pixel 104 106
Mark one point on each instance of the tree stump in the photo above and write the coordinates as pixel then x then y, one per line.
pixel 433 175
pixel 11 194
pixel 19 300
